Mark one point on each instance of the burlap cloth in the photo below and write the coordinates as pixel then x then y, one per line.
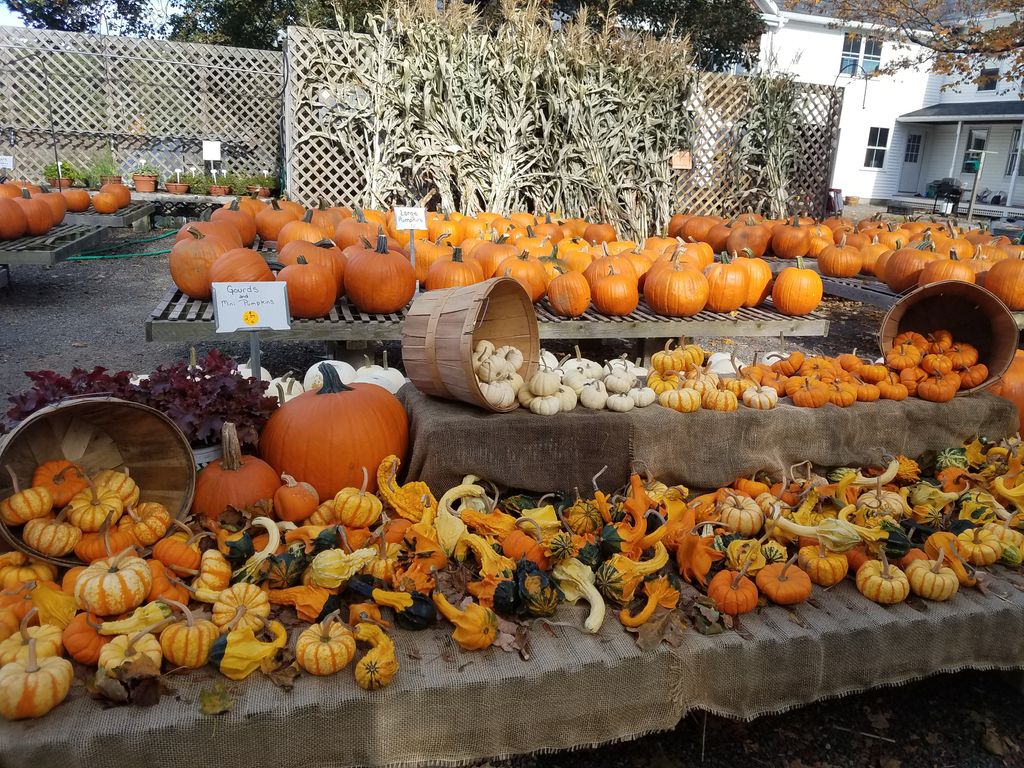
pixel 705 449
pixel 450 707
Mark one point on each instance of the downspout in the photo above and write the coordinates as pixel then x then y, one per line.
pixel 956 147
pixel 1016 166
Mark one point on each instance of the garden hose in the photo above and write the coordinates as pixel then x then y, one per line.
pixel 97 257
pixel 99 253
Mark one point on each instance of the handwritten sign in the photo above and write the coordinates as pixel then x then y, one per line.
pixel 682 160
pixel 410 218
pixel 211 151
pixel 6 161
pixel 250 307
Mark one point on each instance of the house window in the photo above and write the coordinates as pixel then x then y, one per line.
pixel 913 151
pixel 872 55
pixel 860 54
pixel 1012 155
pixel 851 54
pixel 976 139
pixel 878 140
pixel 989 79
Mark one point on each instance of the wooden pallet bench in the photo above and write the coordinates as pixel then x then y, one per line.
pixel 56 245
pixel 136 215
pixel 179 318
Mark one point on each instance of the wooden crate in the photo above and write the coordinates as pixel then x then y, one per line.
pixel 56 245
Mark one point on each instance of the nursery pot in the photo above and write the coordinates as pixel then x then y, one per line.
pixel 258 191
pixel 144 183
pixel 219 190
pixel 60 183
pixel 176 188
pixel 110 180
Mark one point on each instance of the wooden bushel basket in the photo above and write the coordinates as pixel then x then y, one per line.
pixel 100 433
pixel 971 313
pixel 442 328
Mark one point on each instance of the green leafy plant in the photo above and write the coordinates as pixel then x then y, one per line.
pixel 198 184
pixel 261 181
pixel 145 170
pixel 103 165
pixel 68 171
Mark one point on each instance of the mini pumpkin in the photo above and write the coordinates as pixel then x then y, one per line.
pixel 979 546
pixel 25 505
pixel 120 483
pixel 881 582
pixel 783 584
pixel 51 536
pixel 326 647
pixel 825 568
pixel 112 586
pixel 187 643
pixel 932 580
pixel 355 508
pixel 733 593
pixel 62 478
pixel 89 508
pixel 35 686
pixel 241 605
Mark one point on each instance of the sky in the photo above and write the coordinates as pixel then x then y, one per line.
pixel 8 18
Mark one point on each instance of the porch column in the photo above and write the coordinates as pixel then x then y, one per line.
pixel 956 147
pixel 1016 166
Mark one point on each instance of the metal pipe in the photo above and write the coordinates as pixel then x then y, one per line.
pixel 956 146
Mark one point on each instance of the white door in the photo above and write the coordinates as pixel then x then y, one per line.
pixel 910 175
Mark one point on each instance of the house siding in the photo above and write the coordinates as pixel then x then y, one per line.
pixel 812 52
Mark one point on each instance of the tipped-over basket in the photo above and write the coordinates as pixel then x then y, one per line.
pixel 969 312
pixel 442 328
pixel 100 433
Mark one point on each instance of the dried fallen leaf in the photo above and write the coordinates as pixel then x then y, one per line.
pixel 878 720
pixel 284 676
pixel 993 743
pixel 665 626
pixel 215 700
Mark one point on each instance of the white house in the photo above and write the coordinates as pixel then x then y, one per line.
pixel 898 134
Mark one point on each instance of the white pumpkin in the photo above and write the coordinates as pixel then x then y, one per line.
pixel 314 379
pixel 575 381
pixel 721 363
pixel 594 396
pixel 623 363
pixel 372 373
pixel 498 393
pixel 483 350
pixel 567 397
pixel 547 405
pixel 285 388
pixel 620 403
pixel 587 367
pixel 619 382
pixel 643 396
pixel 493 369
pixel 548 360
pixel 525 396
pixel 544 383
pixel 246 370
pixel 138 378
pixel 510 355
pixel 517 382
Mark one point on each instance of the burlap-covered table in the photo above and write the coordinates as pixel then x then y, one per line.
pixel 449 707
pixel 705 449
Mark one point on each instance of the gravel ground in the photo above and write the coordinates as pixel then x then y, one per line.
pixel 88 313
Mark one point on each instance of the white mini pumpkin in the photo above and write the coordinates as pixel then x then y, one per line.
pixel 643 396
pixel 620 403
pixel 314 379
pixel 246 370
pixel 498 393
pixel 567 397
pixel 285 388
pixel 593 396
pixel 547 405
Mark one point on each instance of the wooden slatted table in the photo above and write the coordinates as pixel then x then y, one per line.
pixel 60 242
pixel 179 318
pixel 137 215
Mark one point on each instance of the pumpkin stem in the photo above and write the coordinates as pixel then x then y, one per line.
pixel 31 664
pixel 938 561
pixel 741 573
pixel 782 573
pixel 344 539
pixel 105 530
pixel 332 380
pixel 14 478
pixel 602 470
pixel 130 648
pixel 23 627
pixel 536 533
pixel 885 565
pixel 189 617
pixel 239 613
pixel 232 450
pixel 198 536
pixel 325 625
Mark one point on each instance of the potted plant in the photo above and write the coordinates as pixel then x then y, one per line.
pixel 198 184
pixel 104 170
pixel 62 177
pixel 144 178
pixel 220 186
pixel 177 184
pixel 259 186
pixel 237 183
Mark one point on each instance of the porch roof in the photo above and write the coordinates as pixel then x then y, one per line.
pixel 968 111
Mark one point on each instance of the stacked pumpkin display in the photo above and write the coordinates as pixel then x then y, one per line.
pixel 685 384
pixel 28 211
pixel 902 254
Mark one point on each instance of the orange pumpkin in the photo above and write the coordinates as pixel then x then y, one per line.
pixel 236 480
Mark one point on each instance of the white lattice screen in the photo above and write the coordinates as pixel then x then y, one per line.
pixel 150 101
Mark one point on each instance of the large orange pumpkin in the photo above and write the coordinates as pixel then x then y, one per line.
pixel 569 294
pixel 236 480
pixel 190 261
pixel 353 230
pixel 57 204
pixel 13 223
pixel 904 267
pixel 326 436
pixel 378 280
pixel 271 220
pixel 303 229
pixel 120 192
pixel 797 291
pixel 104 202
pixel 312 288
pixel 243 221
pixel 615 293
pixel 325 253
pixel 1011 385
pixel 218 229
pixel 676 290
pixel 37 214
pixel 728 285
pixel 1006 280
pixel 77 200
pixel 791 240
pixel 240 265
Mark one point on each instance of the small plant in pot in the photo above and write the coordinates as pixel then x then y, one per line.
pixel 62 177
pixel 144 178
pixel 259 186
pixel 221 185
pixel 177 184
pixel 103 171
pixel 198 184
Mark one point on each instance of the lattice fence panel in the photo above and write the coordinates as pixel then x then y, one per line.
pixel 819 110
pixel 147 101
pixel 323 81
